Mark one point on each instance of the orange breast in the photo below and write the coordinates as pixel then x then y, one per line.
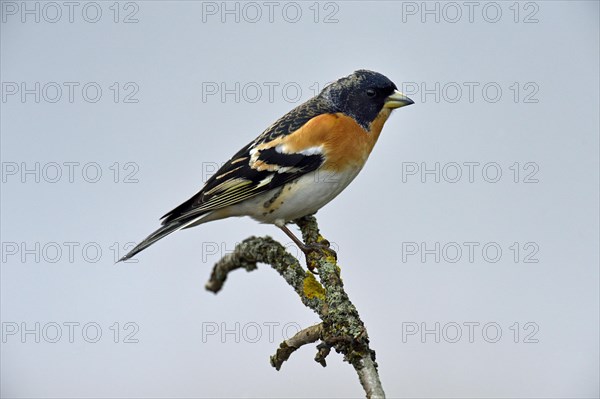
pixel 344 142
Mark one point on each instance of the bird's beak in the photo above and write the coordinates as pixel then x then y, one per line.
pixel 396 100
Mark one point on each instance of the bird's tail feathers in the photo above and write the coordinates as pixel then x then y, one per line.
pixel 161 232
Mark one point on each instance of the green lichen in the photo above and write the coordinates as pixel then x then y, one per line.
pixel 331 259
pixel 312 288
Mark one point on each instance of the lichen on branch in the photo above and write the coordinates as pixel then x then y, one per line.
pixel 341 327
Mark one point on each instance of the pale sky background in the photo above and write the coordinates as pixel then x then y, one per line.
pixel 532 115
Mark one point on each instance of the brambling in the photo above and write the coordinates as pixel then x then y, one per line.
pixel 298 164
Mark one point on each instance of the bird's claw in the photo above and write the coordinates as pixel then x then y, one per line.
pixel 319 248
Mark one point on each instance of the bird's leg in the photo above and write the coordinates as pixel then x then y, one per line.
pixel 307 249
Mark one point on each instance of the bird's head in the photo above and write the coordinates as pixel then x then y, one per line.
pixel 363 95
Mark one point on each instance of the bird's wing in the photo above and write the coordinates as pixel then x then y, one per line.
pixel 275 158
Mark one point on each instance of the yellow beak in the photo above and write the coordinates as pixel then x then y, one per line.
pixel 396 100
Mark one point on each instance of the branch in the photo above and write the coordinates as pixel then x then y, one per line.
pixel 289 346
pixel 341 327
pixel 255 250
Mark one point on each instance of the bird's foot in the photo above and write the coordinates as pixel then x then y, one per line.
pixel 321 248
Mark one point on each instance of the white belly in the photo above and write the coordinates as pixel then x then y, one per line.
pixel 302 197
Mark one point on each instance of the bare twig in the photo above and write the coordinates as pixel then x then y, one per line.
pixel 289 346
pixel 341 327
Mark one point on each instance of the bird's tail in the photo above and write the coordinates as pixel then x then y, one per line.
pixel 162 232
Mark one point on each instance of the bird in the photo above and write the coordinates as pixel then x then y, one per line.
pixel 298 164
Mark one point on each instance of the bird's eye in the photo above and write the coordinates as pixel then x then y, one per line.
pixel 371 92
